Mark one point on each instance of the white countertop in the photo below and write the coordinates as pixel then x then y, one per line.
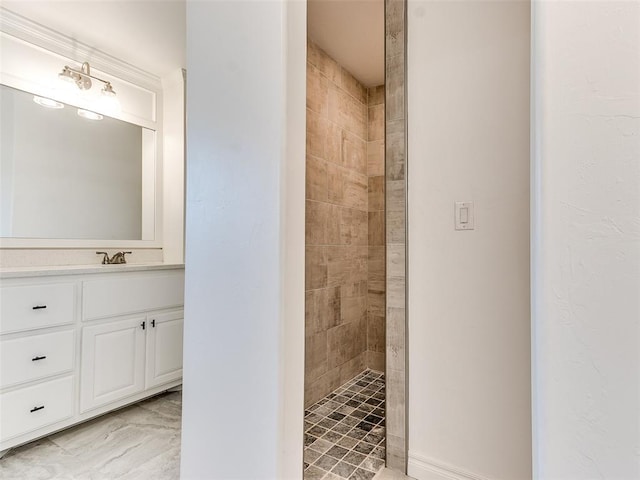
pixel 17 272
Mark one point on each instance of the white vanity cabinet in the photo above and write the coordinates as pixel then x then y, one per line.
pixel 76 343
pixel 37 356
pixel 112 365
pixel 164 348
pixel 128 355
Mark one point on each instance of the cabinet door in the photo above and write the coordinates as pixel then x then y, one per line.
pixel 164 348
pixel 112 361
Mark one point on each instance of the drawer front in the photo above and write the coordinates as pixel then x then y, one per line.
pixel 38 356
pixel 31 408
pixel 109 297
pixel 36 306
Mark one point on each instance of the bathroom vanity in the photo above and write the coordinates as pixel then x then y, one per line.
pixel 76 342
pixel 78 339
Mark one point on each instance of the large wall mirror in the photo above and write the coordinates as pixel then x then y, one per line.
pixel 68 173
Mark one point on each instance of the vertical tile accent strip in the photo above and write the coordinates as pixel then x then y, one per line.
pixel 396 214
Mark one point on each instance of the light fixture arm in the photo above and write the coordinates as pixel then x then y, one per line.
pixel 83 77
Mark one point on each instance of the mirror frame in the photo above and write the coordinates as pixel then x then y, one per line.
pixel 30 70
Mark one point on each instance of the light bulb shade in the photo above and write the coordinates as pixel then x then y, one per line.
pixel 89 115
pixel 66 75
pixel 108 90
pixel 108 104
pixel 47 102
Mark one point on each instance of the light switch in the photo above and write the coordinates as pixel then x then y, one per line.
pixel 464 215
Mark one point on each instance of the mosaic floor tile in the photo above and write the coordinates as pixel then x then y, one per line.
pixel 345 433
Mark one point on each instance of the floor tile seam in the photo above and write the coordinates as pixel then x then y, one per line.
pixel 351 427
pixel 356 467
pixel 350 450
pixel 328 417
pixel 345 403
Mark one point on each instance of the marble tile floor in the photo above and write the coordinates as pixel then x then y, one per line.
pixel 345 431
pixel 139 442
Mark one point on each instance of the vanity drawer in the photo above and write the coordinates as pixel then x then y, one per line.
pixel 38 356
pixel 36 306
pixel 30 408
pixel 110 297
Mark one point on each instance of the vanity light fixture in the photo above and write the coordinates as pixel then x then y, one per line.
pixel 89 115
pixel 82 78
pixel 47 102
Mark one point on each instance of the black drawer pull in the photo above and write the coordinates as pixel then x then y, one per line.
pixel 35 409
pixel 143 325
pixel 35 359
pixel 39 307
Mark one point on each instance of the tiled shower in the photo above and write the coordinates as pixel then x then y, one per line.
pixel 345 268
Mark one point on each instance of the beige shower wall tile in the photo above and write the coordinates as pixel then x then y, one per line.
pixel 376 333
pixel 376 304
pixel 376 283
pixel 322 309
pixel 346 265
pixel 355 288
pixel 354 152
pixel 324 63
pixel 333 144
pixel 375 95
pixel 317 187
pixel 375 158
pixel 353 87
pixel 316 267
pixel 316 219
pixel 376 256
pixel 317 91
pixel 376 228
pixel 353 225
pixel 317 129
pixel 354 309
pixel 352 367
pixel 347 112
pixel 318 387
pixel 376 361
pixel 347 187
pixel 376 193
pixel 376 123
pixel 315 354
pixel 345 342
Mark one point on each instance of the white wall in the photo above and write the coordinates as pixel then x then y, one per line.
pixel 586 342
pixel 244 300
pixel 468 291
pixel 173 166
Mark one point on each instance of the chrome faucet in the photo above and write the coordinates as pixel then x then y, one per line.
pixel 117 258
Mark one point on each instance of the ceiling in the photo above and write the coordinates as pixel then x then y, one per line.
pixel 152 34
pixel 352 32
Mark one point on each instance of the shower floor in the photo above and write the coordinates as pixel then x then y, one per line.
pixel 344 433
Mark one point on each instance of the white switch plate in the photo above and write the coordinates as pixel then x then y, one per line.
pixel 464 215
